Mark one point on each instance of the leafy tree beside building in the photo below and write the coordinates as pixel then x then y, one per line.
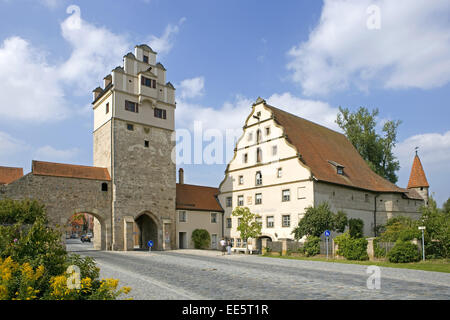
pixel 248 225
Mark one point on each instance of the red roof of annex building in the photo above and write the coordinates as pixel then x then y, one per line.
pixel 320 147
pixel 10 174
pixel 417 178
pixel 69 171
pixel 192 197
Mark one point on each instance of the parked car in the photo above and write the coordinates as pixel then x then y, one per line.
pixel 85 238
pixel 73 236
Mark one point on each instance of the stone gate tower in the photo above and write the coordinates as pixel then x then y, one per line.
pixel 134 117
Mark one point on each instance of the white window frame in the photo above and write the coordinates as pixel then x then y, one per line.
pixel 283 195
pixel 215 217
pixel 185 216
pixel 273 222
pixel 256 198
pixel 239 202
pixel 282 221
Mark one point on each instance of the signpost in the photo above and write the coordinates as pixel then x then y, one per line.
pixel 423 243
pixel 150 245
pixel 327 235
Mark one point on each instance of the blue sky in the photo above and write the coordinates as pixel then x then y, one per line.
pixel 308 57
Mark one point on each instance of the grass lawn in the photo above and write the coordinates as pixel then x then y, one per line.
pixel 441 265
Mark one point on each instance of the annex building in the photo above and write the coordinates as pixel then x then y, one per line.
pixel 282 165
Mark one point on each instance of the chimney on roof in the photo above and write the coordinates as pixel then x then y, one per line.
pixel 107 80
pixel 181 176
pixel 96 92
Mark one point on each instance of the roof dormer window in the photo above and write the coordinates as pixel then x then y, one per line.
pixel 339 167
pixel 145 58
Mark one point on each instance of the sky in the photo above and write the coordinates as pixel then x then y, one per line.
pixel 306 57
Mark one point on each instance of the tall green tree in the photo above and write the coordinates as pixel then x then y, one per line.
pixel 375 149
pixel 317 220
pixel 446 206
pixel 248 226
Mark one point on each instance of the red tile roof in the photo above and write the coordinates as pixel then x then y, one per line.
pixel 417 178
pixel 69 170
pixel 319 147
pixel 192 197
pixel 10 174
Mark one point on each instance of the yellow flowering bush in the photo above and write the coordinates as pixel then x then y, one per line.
pixel 22 282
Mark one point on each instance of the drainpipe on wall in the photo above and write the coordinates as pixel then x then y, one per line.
pixel 375 215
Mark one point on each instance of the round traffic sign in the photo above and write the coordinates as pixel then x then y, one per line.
pixel 327 233
pixel 150 243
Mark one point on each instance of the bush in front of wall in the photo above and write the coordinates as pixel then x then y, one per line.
pixel 352 248
pixel 312 246
pixel 201 238
pixel 403 252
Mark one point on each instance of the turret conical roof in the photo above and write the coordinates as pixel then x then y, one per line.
pixel 417 178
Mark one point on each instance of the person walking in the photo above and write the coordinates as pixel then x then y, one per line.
pixel 222 244
pixel 229 247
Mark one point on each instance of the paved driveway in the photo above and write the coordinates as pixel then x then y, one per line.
pixel 192 274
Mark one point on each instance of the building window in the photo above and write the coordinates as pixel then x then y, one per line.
pixel 130 127
pixel 286 195
pixel 250 136
pixel 239 221
pixel 240 201
pixel 146 81
pixel 145 58
pixel 258 136
pixel 104 186
pixel 229 202
pixel 182 216
pixel 232 242
pixel 258 178
pixel 340 170
pixel 229 223
pixel 267 131
pixel 213 217
pixel 279 172
pixel 270 222
pixel 274 150
pixel 107 108
pixel 286 221
pixel 245 158
pixel 301 192
pixel 241 179
pixel 131 106
pixel 146 143
pixel 258 198
pixel 258 155
pixel 238 242
pixel 258 219
pixel 160 113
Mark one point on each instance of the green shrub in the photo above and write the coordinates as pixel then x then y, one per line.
pixel 201 238
pixel 351 248
pixel 378 251
pixel 356 227
pixel 404 252
pixel 312 246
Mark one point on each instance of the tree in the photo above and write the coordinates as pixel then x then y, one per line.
pixel 437 230
pixel 317 220
pixel 248 226
pixel 355 228
pixel 376 150
pixel 446 206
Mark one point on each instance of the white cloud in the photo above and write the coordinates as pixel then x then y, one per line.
pixel 96 51
pixel 10 145
pixel 30 89
pixel 48 153
pixel 191 88
pixel 411 48
pixel 164 43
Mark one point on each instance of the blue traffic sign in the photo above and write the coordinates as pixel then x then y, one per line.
pixel 327 233
pixel 150 243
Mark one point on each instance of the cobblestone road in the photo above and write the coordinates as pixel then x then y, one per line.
pixel 191 274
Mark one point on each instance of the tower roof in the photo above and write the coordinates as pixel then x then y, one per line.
pixel 417 178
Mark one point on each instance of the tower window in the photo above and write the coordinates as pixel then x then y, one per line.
pixel 258 155
pixel 130 127
pixel 258 136
pixel 160 113
pixel 104 186
pixel 131 106
pixel 258 180
pixel 145 58
pixel 146 143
